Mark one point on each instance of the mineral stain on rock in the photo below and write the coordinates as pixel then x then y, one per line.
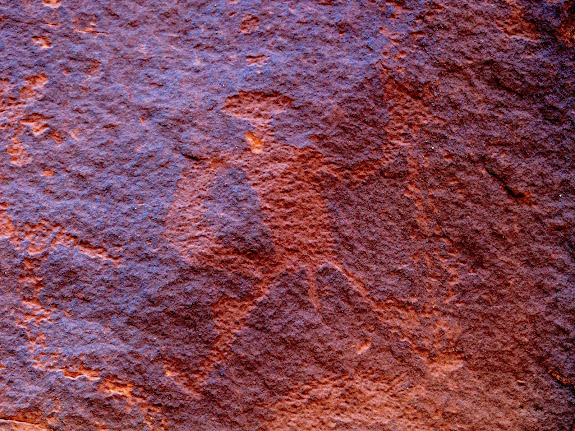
pixel 311 215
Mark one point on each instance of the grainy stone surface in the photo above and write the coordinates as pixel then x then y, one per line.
pixel 287 215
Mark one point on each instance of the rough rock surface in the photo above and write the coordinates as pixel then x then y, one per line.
pixel 287 215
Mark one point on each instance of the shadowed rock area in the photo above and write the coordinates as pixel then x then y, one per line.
pixel 265 215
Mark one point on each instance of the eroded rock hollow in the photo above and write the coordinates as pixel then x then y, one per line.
pixel 287 215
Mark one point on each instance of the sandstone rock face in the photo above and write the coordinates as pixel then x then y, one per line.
pixel 287 215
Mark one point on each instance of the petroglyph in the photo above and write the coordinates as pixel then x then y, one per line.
pixel 294 230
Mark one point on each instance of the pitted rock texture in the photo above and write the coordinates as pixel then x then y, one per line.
pixel 287 215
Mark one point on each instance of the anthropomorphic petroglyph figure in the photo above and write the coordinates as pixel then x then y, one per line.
pixel 259 214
